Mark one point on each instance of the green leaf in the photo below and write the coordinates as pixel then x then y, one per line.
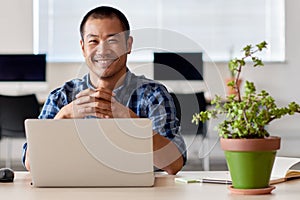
pixel 247 50
pixel 258 62
pixel 230 83
pixel 233 66
pixel 262 45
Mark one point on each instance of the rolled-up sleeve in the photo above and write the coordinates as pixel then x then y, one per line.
pixel 24 153
pixel 160 108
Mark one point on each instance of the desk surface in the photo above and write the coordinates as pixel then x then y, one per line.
pixel 165 188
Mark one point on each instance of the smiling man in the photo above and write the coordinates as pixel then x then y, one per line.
pixel 110 90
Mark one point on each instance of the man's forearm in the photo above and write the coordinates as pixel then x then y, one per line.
pixel 166 154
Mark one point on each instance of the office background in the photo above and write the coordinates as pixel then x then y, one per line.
pixel 281 79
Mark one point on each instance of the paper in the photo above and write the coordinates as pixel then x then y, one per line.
pixel 187 180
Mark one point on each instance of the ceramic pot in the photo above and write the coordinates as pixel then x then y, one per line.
pixel 250 161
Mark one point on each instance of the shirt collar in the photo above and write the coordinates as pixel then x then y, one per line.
pixel 88 82
pixel 127 79
pixel 126 82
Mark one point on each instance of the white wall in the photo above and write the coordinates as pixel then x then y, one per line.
pixel 16 23
pixel 280 79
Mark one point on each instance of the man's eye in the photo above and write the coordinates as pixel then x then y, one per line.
pixel 93 41
pixel 112 41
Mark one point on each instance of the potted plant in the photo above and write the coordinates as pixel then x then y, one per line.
pixel 249 149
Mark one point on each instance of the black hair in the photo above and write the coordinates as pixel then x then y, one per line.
pixel 106 12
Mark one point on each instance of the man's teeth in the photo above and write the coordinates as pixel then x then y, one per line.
pixel 104 61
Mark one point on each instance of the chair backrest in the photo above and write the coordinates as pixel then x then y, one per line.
pixel 187 105
pixel 14 110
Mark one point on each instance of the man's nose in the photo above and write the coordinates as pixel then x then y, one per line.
pixel 102 48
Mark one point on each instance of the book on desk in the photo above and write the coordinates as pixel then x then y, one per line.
pixel 282 170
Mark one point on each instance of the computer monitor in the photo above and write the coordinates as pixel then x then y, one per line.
pixel 178 66
pixel 22 67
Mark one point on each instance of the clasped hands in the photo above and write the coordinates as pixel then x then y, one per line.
pixel 100 103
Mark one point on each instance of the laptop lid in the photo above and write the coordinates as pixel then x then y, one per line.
pixel 90 152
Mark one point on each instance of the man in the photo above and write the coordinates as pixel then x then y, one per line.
pixel 110 90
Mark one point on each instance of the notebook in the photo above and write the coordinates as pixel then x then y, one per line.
pixel 90 152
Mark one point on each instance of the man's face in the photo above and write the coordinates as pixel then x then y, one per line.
pixel 105 47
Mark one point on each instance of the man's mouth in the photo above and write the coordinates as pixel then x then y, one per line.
pixel 104 63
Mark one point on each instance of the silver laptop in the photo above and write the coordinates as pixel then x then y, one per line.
pixel 90 152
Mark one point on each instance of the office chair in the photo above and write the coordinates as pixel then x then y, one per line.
pixel 13 111
pixel 187 105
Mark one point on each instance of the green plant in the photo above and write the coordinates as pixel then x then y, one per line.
pixel 246 116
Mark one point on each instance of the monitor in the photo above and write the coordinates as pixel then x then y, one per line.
pixel 23 67
pixel 178 66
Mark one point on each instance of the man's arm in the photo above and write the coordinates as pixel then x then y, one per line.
pixel 25 158
pixel 168 144
pixel 26 163
pixel 166 154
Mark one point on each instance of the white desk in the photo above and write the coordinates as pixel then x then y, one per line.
pixel 165 188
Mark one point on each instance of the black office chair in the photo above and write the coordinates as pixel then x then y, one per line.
pixel 187 105
pixel 13 111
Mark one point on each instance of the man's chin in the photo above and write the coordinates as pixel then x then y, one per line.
pixel 103 72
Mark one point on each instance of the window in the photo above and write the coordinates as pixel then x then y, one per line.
pixel 219 28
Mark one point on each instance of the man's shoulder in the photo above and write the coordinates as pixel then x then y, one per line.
pixel 74 83
pixel 150 88
pixel 72 86
pixel 142 81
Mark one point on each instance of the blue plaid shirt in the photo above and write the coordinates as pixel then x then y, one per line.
pixel 145 97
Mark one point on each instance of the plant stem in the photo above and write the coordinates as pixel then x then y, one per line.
pixel 237 88
pixel 236 85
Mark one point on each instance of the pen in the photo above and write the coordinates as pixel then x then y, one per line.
pixel 217 181
pixel 202 180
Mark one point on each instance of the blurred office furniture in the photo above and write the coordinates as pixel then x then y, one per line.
pixel 187 105
pixel 178 66
pixel 13 111
pixel 22 73
pixel 23 67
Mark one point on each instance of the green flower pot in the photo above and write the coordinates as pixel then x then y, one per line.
pixel 250 170
pixel 250 161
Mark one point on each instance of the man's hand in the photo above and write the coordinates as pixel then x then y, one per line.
pixel 100 103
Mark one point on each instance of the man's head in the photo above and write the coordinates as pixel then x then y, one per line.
pixel 105 12
pixel 105 43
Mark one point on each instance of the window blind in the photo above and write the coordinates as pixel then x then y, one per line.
pixel 218 28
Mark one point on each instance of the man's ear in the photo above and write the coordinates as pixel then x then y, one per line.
pixel 129 44
pixel 82 48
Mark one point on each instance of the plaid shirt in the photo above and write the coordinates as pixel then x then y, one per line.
pixel 145 97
